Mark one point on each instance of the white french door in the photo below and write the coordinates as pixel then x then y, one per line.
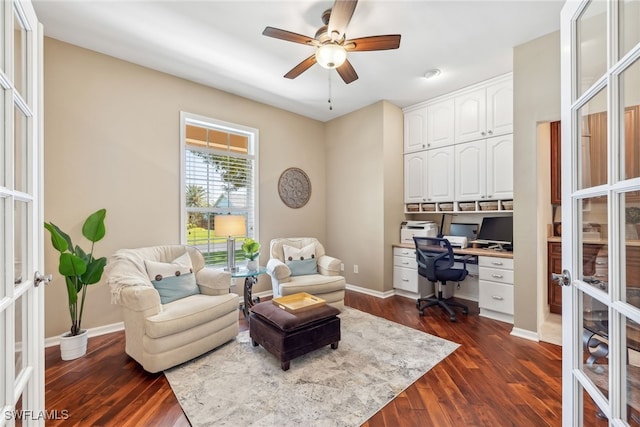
pixel 600 208
pixel 21 300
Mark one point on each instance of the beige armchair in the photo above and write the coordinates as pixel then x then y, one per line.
pixel 159 336
pixel 325 283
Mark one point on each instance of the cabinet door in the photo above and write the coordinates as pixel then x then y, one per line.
pixel 470 171
pixel 500 108
pixel 556 181
pixel 440 131
pixel 440 174
pixel 554 265
pixel 500 167
pixel 470 116
pixel 415 130
pixel 415 169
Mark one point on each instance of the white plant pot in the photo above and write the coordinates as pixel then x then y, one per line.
pixel 252 265
pixel 72 347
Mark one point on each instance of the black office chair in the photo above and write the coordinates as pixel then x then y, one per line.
pixel 435 261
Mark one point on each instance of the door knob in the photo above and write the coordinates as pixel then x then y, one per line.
pixel 41 278
pixel 563 279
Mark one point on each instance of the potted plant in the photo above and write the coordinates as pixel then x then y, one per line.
pixel 250 249
pixel 80 269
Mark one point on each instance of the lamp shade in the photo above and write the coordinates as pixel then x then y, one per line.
pixel 331 55
pixel 230 225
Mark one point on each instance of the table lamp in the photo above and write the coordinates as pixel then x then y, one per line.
pixel 231 226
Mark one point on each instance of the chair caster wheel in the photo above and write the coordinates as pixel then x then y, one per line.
pixel 465 311
pixel 418 305
pixel 421 312
pixel 452 318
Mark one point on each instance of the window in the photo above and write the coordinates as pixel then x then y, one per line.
pixel 219 177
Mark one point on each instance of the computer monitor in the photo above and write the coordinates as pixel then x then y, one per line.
pixel 496 231
pixel 470 231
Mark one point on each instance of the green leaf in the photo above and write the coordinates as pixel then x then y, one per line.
pixel 71 265
pixel 81 253
pixel 57 237
pixel 72 293
pixel 94 271
pixel 93 228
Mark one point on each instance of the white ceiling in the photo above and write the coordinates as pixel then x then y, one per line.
pixel 220 44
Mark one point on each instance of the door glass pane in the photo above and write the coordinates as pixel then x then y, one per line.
pixel 3 352
pixel 20 56
pixel 591 39
pixel 633 373
pixel 631 239
pixel 4 144
pixel 594 242
pixel 595 342
pixel 20 242
pixel 20 359
pixel 593 416
pixel 630 101
pixel 21 154
pixel 592 135
pixel 629 28
pixel 3 240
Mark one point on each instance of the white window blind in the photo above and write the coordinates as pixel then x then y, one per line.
pixel 219 175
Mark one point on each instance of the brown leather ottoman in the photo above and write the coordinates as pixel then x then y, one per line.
pixel 287 335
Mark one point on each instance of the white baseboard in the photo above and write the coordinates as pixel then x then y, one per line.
pixel 523 333
pixel 370 292
pixel 93 332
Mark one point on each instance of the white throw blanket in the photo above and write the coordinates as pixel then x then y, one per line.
pixel 125 268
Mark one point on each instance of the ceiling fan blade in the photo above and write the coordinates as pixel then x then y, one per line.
pixel 391 41
pixel 301 67
pixel 277 33
pixel 341 14
pixel 347 72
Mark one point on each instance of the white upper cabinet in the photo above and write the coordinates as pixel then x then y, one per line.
pixel 415 130
pixel 440 174
pixel 415 169
pixel 500 167
pixel 484 169
pixel 470 167
pixel 484 112
pixel 440 119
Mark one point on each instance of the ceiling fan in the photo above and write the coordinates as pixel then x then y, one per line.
pixel 331 43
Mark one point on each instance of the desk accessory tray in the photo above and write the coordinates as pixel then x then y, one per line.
pixel 296 303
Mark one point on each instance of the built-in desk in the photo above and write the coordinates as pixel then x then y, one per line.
pixel 490 283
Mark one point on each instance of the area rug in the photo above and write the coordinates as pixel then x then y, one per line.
pixel 241 385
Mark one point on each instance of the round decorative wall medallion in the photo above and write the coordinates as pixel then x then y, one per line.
pixel 294 188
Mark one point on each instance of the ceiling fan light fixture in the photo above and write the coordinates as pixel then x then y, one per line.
pixel 331 55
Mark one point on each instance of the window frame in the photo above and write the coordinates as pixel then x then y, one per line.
pixel 187 118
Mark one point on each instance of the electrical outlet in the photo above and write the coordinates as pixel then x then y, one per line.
pixel 342 266
pixel 355 268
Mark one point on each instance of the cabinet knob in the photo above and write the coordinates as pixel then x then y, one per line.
pixel 497 276
pixel 498 297
pixel 423 146
pixel 483 133
pixel 428 145
pixel 490 132
pixel 405 280
pixel 496 263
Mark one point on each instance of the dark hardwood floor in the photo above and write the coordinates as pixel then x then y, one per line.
pixel 493 379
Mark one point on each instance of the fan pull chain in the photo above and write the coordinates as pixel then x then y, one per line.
pixel 330 106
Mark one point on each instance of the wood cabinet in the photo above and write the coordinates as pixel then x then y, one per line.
pixel 554 265
pixel 415 130
pixel 484 112
pixel 484 169
pixel 440 124
pixel 556 168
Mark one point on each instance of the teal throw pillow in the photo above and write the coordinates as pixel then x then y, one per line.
pixel 303 267
pixel 173 288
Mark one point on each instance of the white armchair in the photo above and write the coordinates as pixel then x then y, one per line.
pixel 159 336
pixel 326 282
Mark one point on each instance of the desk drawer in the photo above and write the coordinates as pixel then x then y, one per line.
pixel 496 275
pixel 411 253
pixel 492 262
pixel 403 261
pixel 496 297
pixel 405 279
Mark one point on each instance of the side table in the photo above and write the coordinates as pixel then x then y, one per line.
pixel 250 279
